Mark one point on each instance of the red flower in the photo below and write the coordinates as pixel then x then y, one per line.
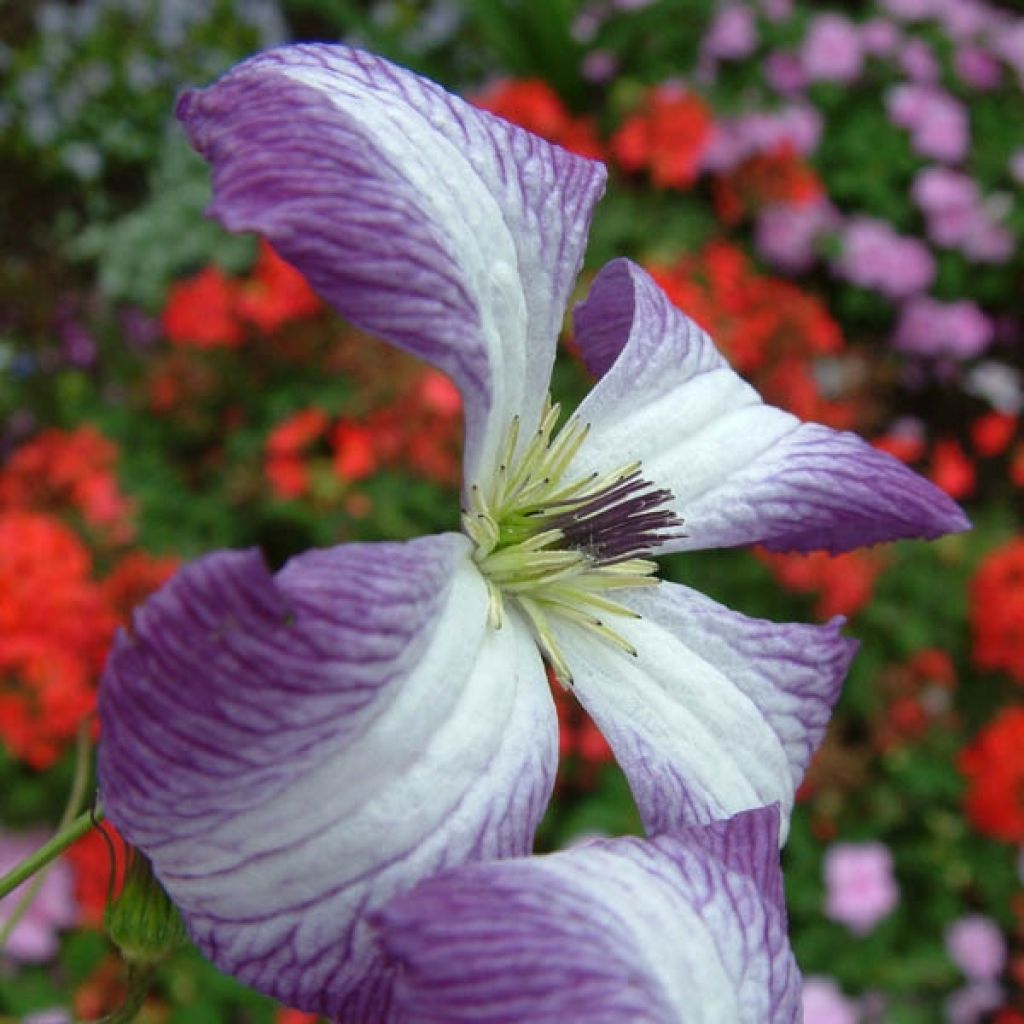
pixel 59 470
pixel 288 476
pixel 355 457
pixel 915 697
pixel 951 469
pixel 994 768
pixel 997 611
pixel 844 583
pixel 297 432
pixel 201 311
pixel 992 433
pixel 55 629
pixel 775 177
pixel 667 136
pixel 755 318
pixel 528 102
pixel 285 469
pixel 288 1016
pixel 137 575
pixel 1017 466
pixel 578 736
pixel 771 330
pixel 276 293
pixel 933 667
pixel 906 447
pixel 532 104
pixel 438 394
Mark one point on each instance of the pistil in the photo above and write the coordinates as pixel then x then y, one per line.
pixel 555 546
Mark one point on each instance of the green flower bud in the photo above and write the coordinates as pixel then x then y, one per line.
pixel 142 921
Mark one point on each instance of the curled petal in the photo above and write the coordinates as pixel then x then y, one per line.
pixel 291 751
pixel 689 927
pixel 742 472
pixel 437 226
pixel 718 712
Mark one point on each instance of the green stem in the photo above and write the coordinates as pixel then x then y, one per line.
pixel 79 779
pixel 140 981
pixel 50 850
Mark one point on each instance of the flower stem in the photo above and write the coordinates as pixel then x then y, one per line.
pixel 69 830
pixel 140 981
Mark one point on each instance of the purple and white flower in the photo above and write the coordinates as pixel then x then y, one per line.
pixel 294 750
pixel 683 927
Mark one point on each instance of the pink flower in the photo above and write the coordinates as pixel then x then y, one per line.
pixel 928 327
pixel 34 939
pixel 958 217
pixel 977 68
pixel 973 1003
pixel 937 123
pixel 918 61
pixel 964 19
pixel 786 236
pixel 910 10
pixel 831 50
pixel 54 1016
pixel 777 10
pixel 874 256
pixel 949 200
pixel 824 1003
pixel 860 886
pixel 1017 166
pixel 1008 43
pixel 600 66
pixel 734 139
pixel 784 72
pixel 879 37
pixel 733 33
pixel 976 945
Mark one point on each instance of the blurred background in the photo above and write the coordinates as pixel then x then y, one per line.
pixel 833 190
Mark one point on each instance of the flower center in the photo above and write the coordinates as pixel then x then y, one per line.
pixel 558 547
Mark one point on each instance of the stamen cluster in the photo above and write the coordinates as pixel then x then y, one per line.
pixel 557 547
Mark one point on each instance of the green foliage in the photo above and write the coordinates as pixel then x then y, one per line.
pixel 139 254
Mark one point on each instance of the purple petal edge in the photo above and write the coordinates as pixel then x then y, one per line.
pixel 805 487
pixel 653 932
pixel 422 219
pixel 292 750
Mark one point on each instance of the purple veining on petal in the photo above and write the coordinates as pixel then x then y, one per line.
pixel 704 676
pixel 793 672
pixel 741 472
pixel 653 932
pixel 822 489
pixel 435 225
pixel 293 750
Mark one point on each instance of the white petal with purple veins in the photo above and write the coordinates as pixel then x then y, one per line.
pixel 684 928
pixel 718 712
pixel 293 750
pixel 741 472
pixel 420 218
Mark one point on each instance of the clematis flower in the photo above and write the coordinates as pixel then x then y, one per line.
pixel 293 750
pixel 684 927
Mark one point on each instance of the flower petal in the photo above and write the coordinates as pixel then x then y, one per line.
pixel 689 927
pixel 437 226
pixel 742 472
pixel 718 712
pixel 290 751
